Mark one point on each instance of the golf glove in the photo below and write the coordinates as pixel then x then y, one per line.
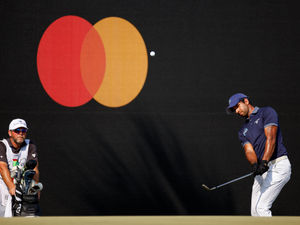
pixel 262 168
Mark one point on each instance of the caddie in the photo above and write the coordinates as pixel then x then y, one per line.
pixel 15 151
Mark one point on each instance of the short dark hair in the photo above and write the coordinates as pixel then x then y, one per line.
pixel 243 100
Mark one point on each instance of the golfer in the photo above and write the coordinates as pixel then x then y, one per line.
pixel 262 141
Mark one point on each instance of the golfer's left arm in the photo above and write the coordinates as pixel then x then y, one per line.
pixel 250 153
pixel 271 134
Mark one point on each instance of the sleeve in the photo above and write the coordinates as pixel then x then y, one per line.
pixel 242 137
pixel 3 152
pixel 32 152
pixel 270 117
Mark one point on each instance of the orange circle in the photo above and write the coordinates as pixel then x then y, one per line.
pixel 126 62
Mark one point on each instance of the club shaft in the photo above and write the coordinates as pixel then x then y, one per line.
pixel 234 180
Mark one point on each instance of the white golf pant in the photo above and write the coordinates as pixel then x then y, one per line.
pixel 267 187
pixel 5 201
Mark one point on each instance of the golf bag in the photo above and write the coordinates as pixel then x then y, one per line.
pixel 26 201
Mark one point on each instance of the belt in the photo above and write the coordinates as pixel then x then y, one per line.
pixel 278 159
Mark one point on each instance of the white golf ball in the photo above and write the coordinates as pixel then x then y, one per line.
pixel 152 53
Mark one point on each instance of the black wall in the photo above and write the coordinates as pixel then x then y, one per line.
pixel 151 156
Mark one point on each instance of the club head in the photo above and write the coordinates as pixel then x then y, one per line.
pixel 31 164
pixel 205 187
pixel 16 174
pixel 28 175
pixel 35 189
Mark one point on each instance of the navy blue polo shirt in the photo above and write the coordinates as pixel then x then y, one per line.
pixel 253 132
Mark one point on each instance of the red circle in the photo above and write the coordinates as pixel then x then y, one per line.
pixel 59 61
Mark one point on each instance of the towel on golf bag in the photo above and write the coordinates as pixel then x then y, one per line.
pixel 25 204
pixel 17 201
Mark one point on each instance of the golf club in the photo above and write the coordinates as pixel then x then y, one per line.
pixel 229 182
pixel 35 189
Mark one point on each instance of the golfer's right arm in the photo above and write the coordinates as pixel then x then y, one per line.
pixel 5 174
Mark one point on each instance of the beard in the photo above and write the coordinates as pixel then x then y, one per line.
pixel 19 140
pixel 244 113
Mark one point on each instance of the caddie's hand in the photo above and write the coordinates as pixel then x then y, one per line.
pixel 12 190
pixel 262 167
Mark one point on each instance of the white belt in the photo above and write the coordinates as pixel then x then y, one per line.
pixel 278 159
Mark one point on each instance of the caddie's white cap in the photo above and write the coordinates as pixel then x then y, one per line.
pixel 16 123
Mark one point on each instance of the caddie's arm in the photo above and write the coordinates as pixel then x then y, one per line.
pixel 271 133
pixel 5 174
pixel 36 177
pixel 37 173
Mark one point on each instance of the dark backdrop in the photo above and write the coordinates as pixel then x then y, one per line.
pixel 151 156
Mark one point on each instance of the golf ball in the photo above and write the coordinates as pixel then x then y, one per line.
pixel 152 53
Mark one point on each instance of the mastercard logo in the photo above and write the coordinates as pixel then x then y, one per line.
pixel 78 61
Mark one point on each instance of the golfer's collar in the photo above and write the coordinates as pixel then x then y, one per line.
pixel 255 110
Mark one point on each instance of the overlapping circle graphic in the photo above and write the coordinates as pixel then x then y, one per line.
pixel 78 61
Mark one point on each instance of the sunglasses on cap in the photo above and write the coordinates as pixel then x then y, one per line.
pixel 20 130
